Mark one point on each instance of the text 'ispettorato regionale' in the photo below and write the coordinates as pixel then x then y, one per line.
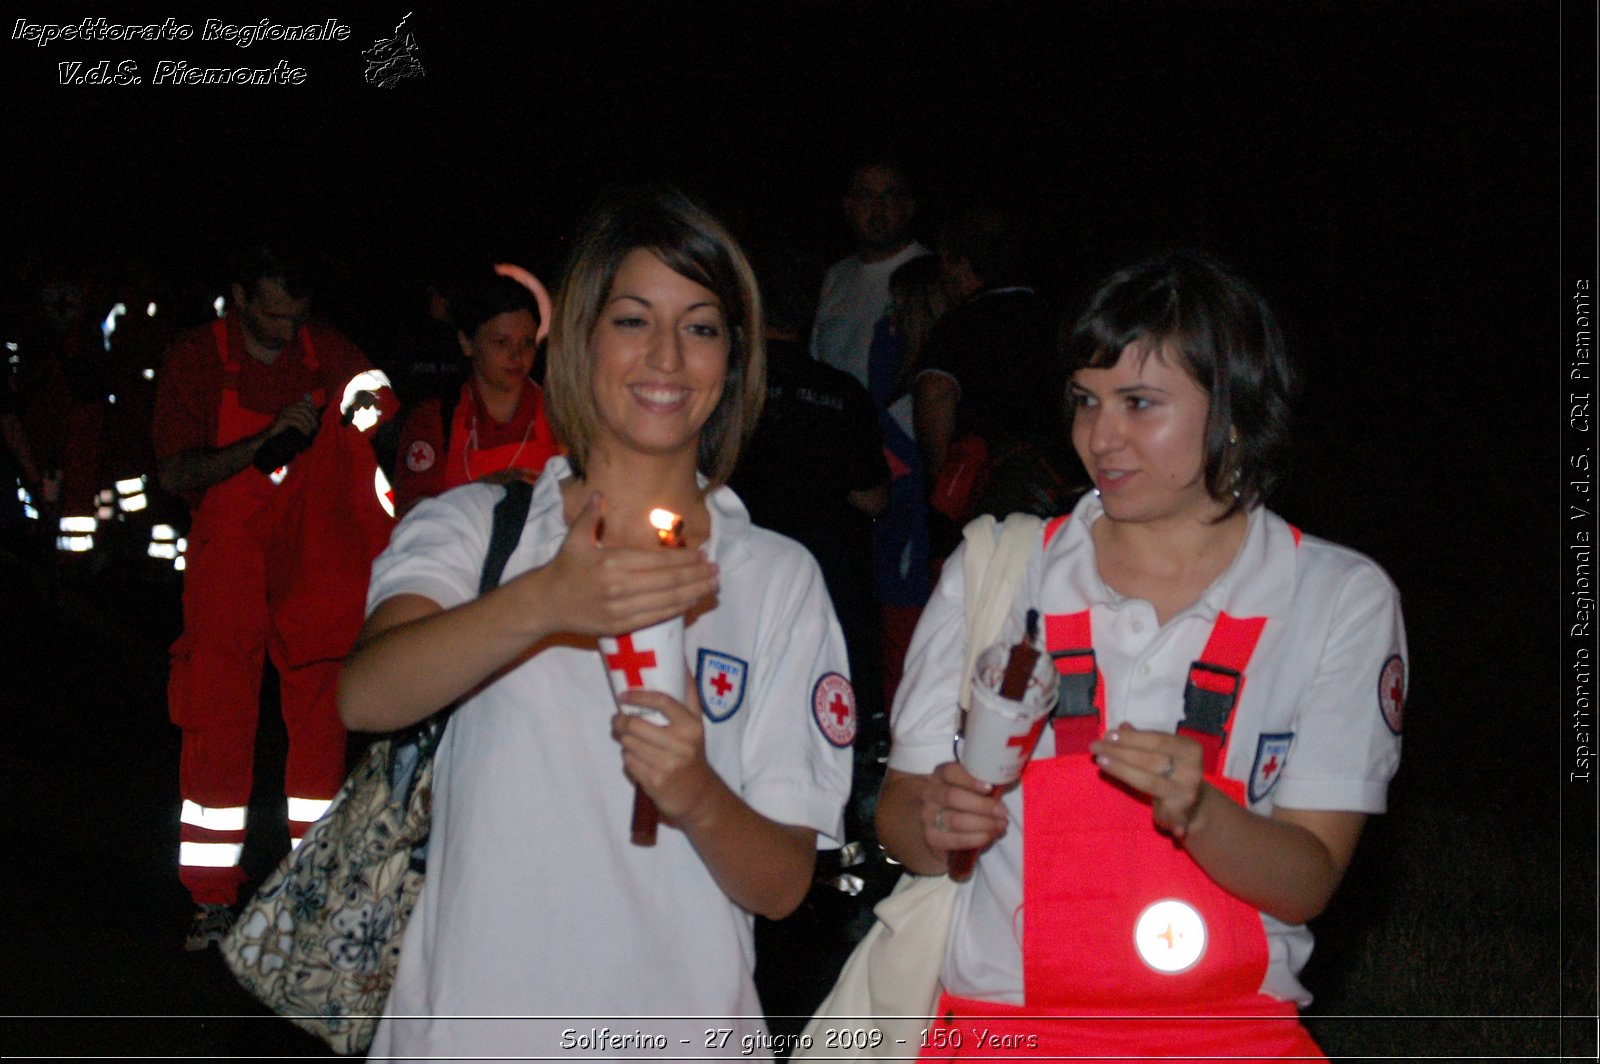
pixel 171 71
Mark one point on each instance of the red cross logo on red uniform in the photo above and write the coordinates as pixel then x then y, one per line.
pixel 630 662
pixel 419 456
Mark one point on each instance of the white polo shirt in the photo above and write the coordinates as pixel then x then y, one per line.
pixel 1317 726
pixel 854 295
pixel 536 903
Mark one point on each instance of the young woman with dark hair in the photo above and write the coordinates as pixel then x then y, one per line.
pixel 496 428
pixel 1229 715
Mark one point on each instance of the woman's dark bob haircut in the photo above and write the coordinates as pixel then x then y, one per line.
pixel 1229 342
pixel 685 237
pixel 486 298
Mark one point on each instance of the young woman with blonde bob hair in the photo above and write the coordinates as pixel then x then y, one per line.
pixel 536 903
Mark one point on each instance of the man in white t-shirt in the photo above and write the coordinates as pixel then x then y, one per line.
pixel 855 291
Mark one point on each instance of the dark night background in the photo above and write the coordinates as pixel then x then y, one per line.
pixel 1394 176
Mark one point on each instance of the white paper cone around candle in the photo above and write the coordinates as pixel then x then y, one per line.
pixel 650 659
pixel 1000 734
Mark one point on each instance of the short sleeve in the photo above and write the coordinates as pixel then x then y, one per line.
pixel 793 771
pixel 419 459
pixel 437 550
pixel 1348 723
pixel 183 408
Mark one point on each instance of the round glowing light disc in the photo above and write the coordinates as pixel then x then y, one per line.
pixel 1170 936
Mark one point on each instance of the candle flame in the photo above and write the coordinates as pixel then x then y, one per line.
pixel 669 527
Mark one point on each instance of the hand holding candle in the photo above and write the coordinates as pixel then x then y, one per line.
pixel 1013 691
pixel 649 659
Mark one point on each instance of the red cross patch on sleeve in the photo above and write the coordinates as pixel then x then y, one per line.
pixel 420 456
pixel 833 707
pixel 1271 752
pixel 1392 692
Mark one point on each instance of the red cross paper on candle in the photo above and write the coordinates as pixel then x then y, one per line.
pixel 630 662
pixel 649 659
pixel 1024 743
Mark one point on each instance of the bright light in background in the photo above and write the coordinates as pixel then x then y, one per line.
pixel 109 326
pixel 219 304
pixel 367 381
pixel 380 484
pixel 150 311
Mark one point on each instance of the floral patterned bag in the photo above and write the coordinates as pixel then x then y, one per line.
pixel 320 940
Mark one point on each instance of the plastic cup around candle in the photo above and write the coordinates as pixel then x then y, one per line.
pixel 1000 733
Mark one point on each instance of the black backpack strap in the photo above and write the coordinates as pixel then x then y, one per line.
pixel 510 514
pixel 413 745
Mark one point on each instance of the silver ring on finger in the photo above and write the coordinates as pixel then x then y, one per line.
pixel 1172 766
pixel 938 822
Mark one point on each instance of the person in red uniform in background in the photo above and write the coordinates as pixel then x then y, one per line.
pixel 496 427
pixel 226 392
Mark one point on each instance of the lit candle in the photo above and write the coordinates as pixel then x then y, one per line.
pixel 669 533
pixel 668 526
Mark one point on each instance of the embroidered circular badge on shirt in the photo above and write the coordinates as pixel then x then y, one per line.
pixel 1392 692
pixel 833 707
pixel 420 457
pixel 1170 936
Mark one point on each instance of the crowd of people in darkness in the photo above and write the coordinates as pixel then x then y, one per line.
pixel 826 436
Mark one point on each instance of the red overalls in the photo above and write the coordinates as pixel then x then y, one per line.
pixel 214 688
pixel 466 463
pixel 1129 950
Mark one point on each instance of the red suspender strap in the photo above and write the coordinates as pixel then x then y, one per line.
pixel 319 395
pixel 230 365
pixel 1215 683
pixel 1054 525
pixel 1081 707
pixel 310 360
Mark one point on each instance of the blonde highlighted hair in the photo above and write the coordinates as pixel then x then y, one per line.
pixel 690 241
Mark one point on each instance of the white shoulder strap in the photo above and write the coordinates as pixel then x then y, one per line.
pixel 995 557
